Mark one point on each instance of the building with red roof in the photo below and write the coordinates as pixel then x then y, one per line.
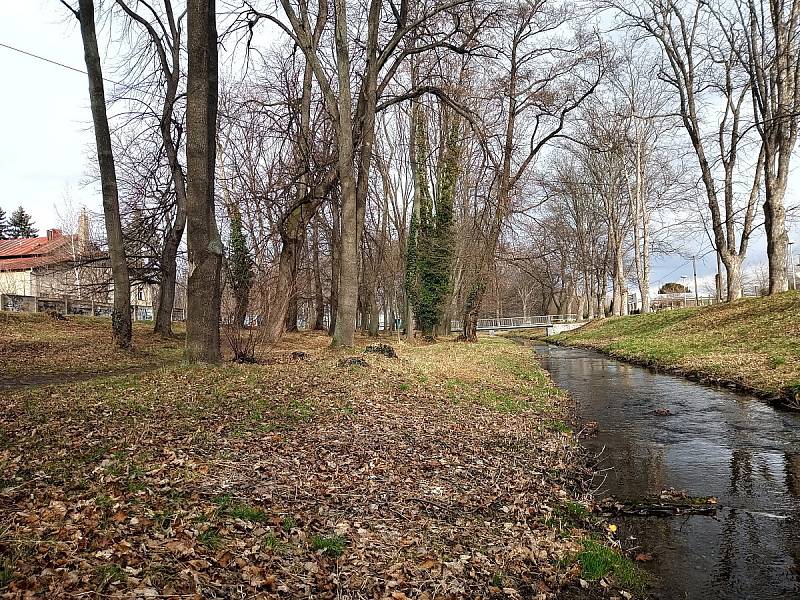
pixel 61 272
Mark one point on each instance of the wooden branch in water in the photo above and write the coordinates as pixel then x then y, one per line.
pixel 659 507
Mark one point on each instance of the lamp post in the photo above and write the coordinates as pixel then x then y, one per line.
pixel 792 282
pixel 685 291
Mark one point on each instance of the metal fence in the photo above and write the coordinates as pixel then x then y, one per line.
pixel 74 306
pixel 518 322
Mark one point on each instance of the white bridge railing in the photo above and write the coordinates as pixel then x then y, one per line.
pixel 518 322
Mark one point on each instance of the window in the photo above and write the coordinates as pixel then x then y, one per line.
pixel 140 293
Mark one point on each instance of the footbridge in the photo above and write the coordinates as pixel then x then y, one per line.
pixel 553 323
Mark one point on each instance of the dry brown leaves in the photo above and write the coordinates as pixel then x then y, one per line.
pixel 296 479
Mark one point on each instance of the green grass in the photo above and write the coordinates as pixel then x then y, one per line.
pixel 210 538
pixel 288 523
pixel 245 512
pixel 333 545
pixel 6 574
pixel 109 574
pixel 755 341
pixel 598 561
pixel 558 426
pixel 274 543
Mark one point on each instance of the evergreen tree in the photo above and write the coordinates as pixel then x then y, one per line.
pixel 240 268
pixel 3 224
pixel 20 225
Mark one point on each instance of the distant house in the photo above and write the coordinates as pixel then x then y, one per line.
pixel 65 273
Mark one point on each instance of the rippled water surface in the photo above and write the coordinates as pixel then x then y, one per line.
pixel 715 443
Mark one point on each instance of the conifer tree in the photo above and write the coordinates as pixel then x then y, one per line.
pixel 20 225
pixel 240 268
pixel 3 224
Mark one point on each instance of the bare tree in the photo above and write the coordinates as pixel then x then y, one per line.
pixel 701 65
pixel 545 71
pixel 771 57
pixel 164 32
pixel 121 317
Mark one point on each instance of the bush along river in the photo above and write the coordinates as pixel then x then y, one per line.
pixel 658 432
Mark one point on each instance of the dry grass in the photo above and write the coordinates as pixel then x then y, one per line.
pixel 38 348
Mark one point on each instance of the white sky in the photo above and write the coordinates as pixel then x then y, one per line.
pixel 46 128
pixel 44 110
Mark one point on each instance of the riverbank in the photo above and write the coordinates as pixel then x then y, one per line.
pixel 752 345
pixel 447 472
pixel 665 437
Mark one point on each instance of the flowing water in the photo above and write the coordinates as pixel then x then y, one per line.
pixel 715 443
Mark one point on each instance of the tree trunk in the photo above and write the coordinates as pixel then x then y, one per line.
pixel 472 307
pixel 618 307
pixel 121 316
pixel 205 249
pixel 374 316
pixel 777 241
pixel 279 308
pixel 166 290
pixel 733 268
pixel 169 276
pixel 334 249
pixel 319 298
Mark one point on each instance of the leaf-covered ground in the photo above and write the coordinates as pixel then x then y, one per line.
pixel 754 342
pixel 448 472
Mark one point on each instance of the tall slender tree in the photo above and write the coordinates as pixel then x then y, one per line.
pixel 164 33
pixel 772 60
pixel 121 316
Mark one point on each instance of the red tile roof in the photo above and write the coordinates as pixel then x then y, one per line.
pixel 29 253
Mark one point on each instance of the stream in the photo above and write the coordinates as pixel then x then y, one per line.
pixel 714 443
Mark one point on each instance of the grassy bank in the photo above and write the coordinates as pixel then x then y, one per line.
pixel 752 343
pixel 449 472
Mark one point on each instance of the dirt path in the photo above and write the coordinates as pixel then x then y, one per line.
pixel 64 378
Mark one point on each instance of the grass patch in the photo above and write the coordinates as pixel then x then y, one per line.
pixel 333 545
pixel 288 523
pixel 245 512
pixel 598 561
pixel 754 341
pixel 274 543
pixel 108 575
pixel 557 425
pixel 505 403
pixel 210 538
pixel 6 574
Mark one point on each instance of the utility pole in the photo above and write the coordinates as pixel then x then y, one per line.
pixel 694 268
pixel 793 282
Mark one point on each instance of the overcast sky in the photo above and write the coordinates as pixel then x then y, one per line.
pixel 46 129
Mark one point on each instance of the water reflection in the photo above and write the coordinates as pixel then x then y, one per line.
pixel 715 443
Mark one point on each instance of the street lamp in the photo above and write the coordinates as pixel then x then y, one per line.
pixel 685 291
